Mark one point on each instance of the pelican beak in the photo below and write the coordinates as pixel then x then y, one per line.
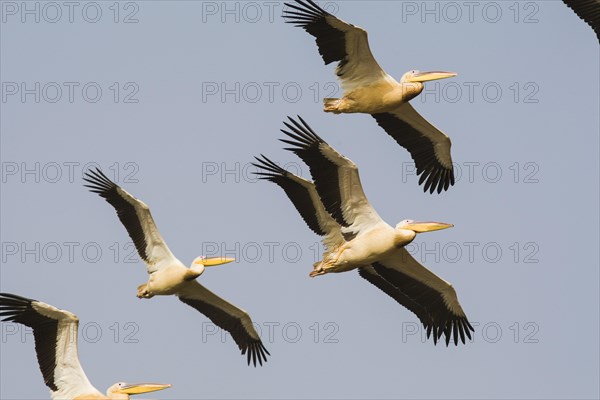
pixel 431 76
pixel 139 388
pixel 426 226
pixel 209 262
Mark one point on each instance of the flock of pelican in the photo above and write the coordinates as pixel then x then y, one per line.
pixel 333 206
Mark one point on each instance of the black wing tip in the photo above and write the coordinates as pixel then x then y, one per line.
pixel 255 351
pixel 269 170
pixel 302 135
pixel 436 180
pixel 266 164
pixel 94 174
pixel 454 331
pixel 12 306
pixel 13 297
pixel 305 14
pixel 98 181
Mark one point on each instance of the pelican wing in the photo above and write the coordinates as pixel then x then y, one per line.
pixel 587 10
pixel 303 194
pixel 370 274
pixel 336 178
pixel 428 146
pixel 137 219
pixel 437 304
pixel 337 41
pixel 226 316
pixel 55 335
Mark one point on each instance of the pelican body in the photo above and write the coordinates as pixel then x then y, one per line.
pixel 384 95
pixel 375 243
pixel 169 276
pixel 56 332
pixel 335 207
pixel 171 279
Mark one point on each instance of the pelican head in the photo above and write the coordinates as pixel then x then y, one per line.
pixel 407 230
pixel 415 76
pixel 412 82
pixel 123 390
pixel 201 262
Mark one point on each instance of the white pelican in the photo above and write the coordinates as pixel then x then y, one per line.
pixel 169 276
pixel 368 89
pixel 355 236
pixel 587 10
pixel 55 332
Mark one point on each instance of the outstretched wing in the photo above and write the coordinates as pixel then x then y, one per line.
pixel 137 219
pixel 337 41
pixel 303 194
pixel 226 316
pixel 336 178
pixel 428 146
pixel 587 10
pixel 55 335
pixel 434 300
pixel 370 274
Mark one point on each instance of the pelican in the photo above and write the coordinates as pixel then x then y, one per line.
pixel 369 89
pixel 168 275
pixel 55 332
pixel 587 10
pixel 355 236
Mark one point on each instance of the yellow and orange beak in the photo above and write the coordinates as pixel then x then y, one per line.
pixel 209 262
pixel 431 76
pixel 140 388
pixel 426 226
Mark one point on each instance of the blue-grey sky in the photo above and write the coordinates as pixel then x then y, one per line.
pixel 172 100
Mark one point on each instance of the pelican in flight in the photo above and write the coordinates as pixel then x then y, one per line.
pixel 55 332
pixel 369 89
pixel 587 10
pixel 169 276
pixel 354 235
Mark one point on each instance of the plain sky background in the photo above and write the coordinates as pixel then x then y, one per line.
pixel 523 255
